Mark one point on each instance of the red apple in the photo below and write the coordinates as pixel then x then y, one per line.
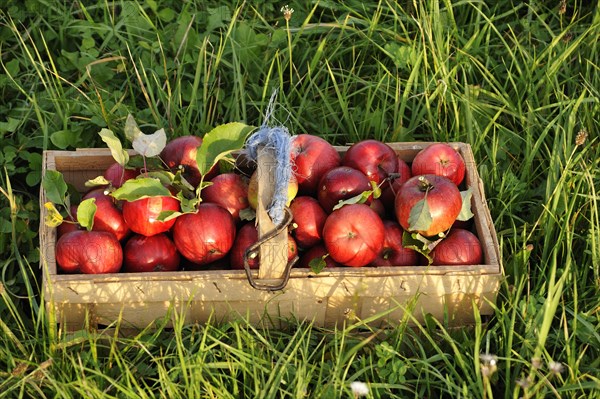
pixel 150 254
pixel 372 157
pixel 230 191
pixel 311 157
pixel 341 183
pixel 141 215
pixel 393 253
pixel 117 175
pixel 247 236
pixel 390 188
pixel 205 236
pixel 353 235
pixel 440 159
pixel 182 151
pixel 309 217
pixel 90 252
pixel 443 200
pixel 459 247
pixel 318 251
pixel 108 216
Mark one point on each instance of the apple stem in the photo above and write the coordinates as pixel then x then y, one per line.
pixel 425 185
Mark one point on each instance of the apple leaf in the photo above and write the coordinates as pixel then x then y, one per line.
pixel 420 216
pixel 164 176
pixel 53 217
pixel 247 214
pixel 132 131
pixel 116 149
pixel 97 181
pixel 187 205
pixel 85 213
pixel 142 187
pixel 465 211
pixel 220 142
pixel 150 145
pixel 419 243
pixel 317 264
pixel 357 199
pixel 165 216
pixel 54 186
pixel 376 189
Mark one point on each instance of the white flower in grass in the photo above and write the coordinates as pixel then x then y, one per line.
pixel 556 367
pixel 359 389
pixel 287 12
pixel 488 364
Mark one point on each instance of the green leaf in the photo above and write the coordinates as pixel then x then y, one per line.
pixel 131 130
pixel 247 214
pixel 53 217
pixel 419 243
pixel 376 190
pixel 165 216
pixel 97 181
pixel 65 138
pixel 317 264
pixel 55 187
pixel 187 205
pixel 150 145
pixel 143 187
pixel 165 177
pixel 220 142
pixel 420 216
pixel 116 149
pixel 465 211
pixel 357 199
pixel 85 213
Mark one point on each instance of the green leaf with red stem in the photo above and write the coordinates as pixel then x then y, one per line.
pixel 85 213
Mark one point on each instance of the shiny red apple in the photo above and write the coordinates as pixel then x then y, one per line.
pixel 89 252
pixel 341 183
pixel 309 217
pixel 311 157
pixel 150 254
pixel 117 175
pixel 230 191
pixel 459 247
pixel 181 152
pixel 373 158
pixel 434 201
pixel 393 253
pixel 205 236
pixel 141 215
pixel 108 216
pixel 440 159
pixel 354 235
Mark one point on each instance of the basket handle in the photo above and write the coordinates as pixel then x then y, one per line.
pixel 272 245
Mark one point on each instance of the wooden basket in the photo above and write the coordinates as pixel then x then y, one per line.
pixel 138 299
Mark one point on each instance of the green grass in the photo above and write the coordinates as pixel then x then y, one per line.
pixel 519 81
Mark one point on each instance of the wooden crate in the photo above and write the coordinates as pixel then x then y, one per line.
pixel 332 296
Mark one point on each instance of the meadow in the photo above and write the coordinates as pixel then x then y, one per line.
pixel 518 81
